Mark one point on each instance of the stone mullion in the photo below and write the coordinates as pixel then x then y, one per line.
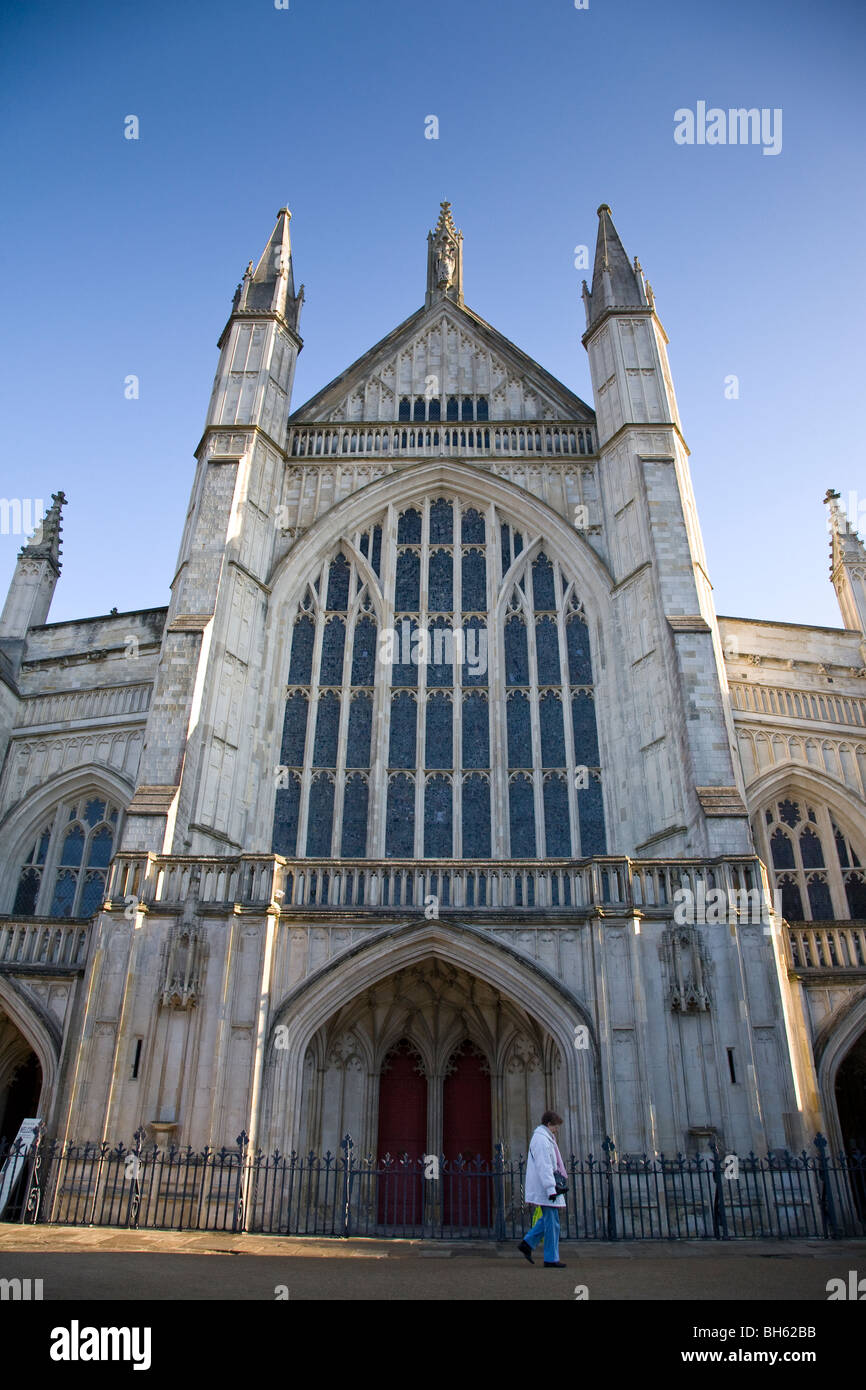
pixel 491 544
pixel 421 712
pixel 309 741
pixel 302 488
pixel 800 870
pixel 345 707
pixel 443 394
pixel 568 724
pixel 381 723
pixel 535 721
pixel 496 699
pixel 835 877
pixel 544 479
pixel 457 684
pixel 563 488
pixel 82 867
pixel 318 496
pixel 435 1112
pixel 52 859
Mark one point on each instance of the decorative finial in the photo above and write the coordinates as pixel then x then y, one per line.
pixel 445 258
pixel 44 544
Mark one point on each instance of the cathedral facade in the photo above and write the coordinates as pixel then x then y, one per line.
pixel 439 794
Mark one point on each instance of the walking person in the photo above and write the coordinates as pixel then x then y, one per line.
pixel 541 1189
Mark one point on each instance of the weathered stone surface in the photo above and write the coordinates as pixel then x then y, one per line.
pixel 225 988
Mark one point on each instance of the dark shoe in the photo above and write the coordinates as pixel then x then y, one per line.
pixel 526 1250
pixel 554 1264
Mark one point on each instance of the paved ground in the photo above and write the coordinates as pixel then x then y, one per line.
pixel 95 1264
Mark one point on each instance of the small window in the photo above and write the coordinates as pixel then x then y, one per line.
pixel 405 409
pixel 452 410
pixel 468 408
pixel 419 408
pixel 482 409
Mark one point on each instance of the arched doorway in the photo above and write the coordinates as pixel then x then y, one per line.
pixel 436 984
pixel 851 1108
pixel 467 1138
pixel 20 1079
pixel 402 1131
pixel 22 1097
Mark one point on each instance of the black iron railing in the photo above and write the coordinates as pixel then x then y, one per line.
pixel 704 1197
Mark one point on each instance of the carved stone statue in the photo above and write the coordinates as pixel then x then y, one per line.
pixel 446 262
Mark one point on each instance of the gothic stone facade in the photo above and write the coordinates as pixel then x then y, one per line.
pixel 405 785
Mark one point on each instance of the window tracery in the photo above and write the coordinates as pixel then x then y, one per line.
pixel 440 699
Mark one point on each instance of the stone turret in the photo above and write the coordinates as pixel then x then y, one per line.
pixel 225 557
pixel 33 583
pixel 687 760
pixel 847 565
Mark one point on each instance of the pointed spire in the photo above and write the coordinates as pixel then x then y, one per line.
pixel 44 544
pixel 445 259
pixel 28 600
pixel 270 288
pixel 446 221
pixel 616 283
pixel 847 564
pixel 845 542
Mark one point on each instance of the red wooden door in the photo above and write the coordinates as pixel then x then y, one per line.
pixel 467 1131
pixel 402 1130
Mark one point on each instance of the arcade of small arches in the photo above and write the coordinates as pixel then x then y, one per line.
pixel 430 408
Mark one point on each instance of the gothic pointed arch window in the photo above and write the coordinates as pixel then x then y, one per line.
pixel 814 865
pixel 464 729
pixel 64 871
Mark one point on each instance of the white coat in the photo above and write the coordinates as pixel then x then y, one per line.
pixel 540 1168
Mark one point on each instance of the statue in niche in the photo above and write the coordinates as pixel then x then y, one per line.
pixel 446 262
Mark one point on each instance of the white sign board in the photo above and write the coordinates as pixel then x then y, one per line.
pixel 14 1165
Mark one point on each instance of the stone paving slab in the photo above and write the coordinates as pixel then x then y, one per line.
pixel 105 1238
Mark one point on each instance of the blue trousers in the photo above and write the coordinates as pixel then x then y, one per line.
pixel 547 1226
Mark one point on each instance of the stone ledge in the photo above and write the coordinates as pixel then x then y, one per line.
pixel 721 801
pixel 688 622
pixel 152 801
pixel 189 622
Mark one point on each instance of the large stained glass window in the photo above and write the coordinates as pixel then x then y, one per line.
pixel 64 871
pixel 440 700
pixel 813 864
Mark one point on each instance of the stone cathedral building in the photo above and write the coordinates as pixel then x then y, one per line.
pixel 386 823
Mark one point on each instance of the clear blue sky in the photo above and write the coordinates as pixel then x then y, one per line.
pixel 121 257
